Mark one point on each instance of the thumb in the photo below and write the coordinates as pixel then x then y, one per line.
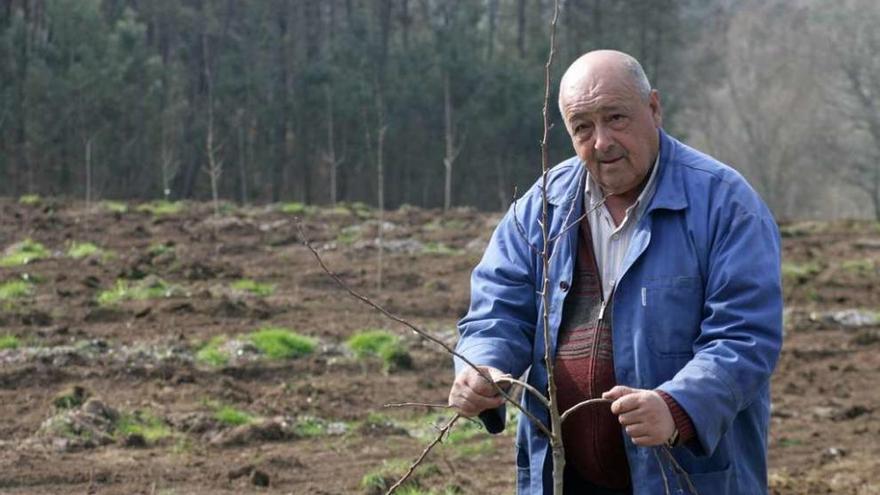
pixel 617 392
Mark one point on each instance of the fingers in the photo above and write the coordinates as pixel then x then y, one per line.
pixel 617 392
pixel 472 394
pixel 643 414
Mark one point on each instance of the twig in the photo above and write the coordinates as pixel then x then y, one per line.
pixel 418 404
pixel 540 425
pixel 525 386
pixel 520 228
pixel 578 220
pixel 662 471
pixel 679 471
pixel 568 412
pixel 445 428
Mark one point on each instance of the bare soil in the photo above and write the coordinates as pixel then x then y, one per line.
pixel 320 426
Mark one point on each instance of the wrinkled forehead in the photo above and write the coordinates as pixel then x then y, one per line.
pixel 593 93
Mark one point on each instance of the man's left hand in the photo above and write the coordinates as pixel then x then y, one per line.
pixel 643 414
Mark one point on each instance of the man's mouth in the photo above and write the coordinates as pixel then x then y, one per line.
pixel 611 161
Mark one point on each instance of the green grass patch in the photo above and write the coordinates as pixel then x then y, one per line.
pixel 23 253
pixel 348 235
pixel 862 266
pixel 15 289
pixel 161 208
pixel 310 427
pixel 439 248
pixel 229 415
pixel 30 199
pixel 382 344
pixel 160 248
pixel 150 427
pixel 211 353
pixel 281 343
pixel 115 206
pixel 254 287
pixel 380 480
pixel 800 272
pixel 297 208
pixel 154 288
pixel 9 342
pixel 79 250
pixel 71 398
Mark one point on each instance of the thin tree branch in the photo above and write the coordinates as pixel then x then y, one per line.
pixel 520 228
pixel 525 386
pixel 578 220
pixel 418 404
pixel 445 428
pixel 571 410
pixel 662 471
pixel 679 471
pixel 540 425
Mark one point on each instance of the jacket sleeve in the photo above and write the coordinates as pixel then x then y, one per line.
pixel 499 327
pixel 741 331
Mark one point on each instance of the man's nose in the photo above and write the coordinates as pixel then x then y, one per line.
pixel 604 140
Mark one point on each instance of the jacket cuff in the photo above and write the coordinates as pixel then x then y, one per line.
pixel 683 423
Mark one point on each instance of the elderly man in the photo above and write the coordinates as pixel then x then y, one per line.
pixel 664 297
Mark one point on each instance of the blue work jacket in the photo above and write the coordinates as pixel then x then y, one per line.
pixel 697 313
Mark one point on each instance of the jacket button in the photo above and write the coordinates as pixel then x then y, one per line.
pixel 563 285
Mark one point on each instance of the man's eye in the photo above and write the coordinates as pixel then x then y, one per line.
pixel 616 116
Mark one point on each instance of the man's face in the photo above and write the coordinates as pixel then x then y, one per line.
pixel 613 130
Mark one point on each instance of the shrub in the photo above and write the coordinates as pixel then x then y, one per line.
pixel 9 342
pixel 381 344
pixel 309 427
pixel 281 343
pixel 254 287
pixel 23 253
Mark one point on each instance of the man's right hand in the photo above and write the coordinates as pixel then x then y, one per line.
pixel 471 394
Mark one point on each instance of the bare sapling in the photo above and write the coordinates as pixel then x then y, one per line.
pixel 454 142
pixel 215 166
pixel 553 431
pixel 332 161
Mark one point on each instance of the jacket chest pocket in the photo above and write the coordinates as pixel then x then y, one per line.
pixel 673 312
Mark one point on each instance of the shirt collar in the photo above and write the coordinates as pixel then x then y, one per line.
pixel 641 202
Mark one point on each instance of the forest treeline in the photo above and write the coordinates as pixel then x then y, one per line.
pixel 315 100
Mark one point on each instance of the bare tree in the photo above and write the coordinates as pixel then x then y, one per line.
pixel 453 142
pixel 215 166
pixel 854 92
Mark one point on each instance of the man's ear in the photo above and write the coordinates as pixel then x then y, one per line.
pixel 656 109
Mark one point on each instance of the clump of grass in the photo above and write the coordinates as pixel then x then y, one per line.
pixel 150 288
pixel 381 479
pixel 382 344
pixel 148 426
pixel 71 398
pixel 348 235
pixel 858 266
pixel 30 199
pixel 800 272
pixel 297 208
pixel 115 206
pixel 15 289
pixel 254 287
pixel 161 207
pixel 23 253
pixel 229 415
pixel 79 250
pixel 310 427
pixel 281 343
pixel 211 353
pixel 439 248
pixel 161 248
pixel 9 342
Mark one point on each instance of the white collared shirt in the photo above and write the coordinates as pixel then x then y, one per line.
pixel 611 242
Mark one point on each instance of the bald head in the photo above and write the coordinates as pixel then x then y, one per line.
pixel 604 66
